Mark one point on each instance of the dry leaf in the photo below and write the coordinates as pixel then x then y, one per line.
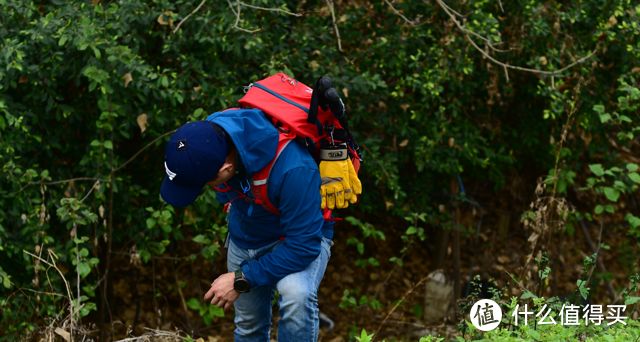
pixel 388 204
pixel 503 259
pixel 612 21
pixel 404 107
pixel 200 339
pixel 166 14
pixel 343 18
pixel 142 122
pixel 347 279
pixel 345 91
pixel 404 143
pixel 63 333
pixel 23 79
pixel 382 105
pixel 95 2
pixel 127 79
pixel 196 89
pixel 635 70
pixel 543 60
pixel 338 339
pixel 314 65
pixel 451 141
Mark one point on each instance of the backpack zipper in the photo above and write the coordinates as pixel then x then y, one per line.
pixel 260 86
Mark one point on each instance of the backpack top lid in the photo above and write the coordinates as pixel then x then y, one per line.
pixel 287 102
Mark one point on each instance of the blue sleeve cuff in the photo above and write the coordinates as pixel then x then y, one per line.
pixel 247 273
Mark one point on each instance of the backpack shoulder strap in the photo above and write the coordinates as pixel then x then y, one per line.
pixel 259 180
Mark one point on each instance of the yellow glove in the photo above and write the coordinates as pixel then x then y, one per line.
pixel 354 182
pixel 334 170
pixel 335 189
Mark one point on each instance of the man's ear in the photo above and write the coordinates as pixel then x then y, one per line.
pixel 227 166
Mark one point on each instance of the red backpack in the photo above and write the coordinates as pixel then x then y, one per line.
pixel 299 113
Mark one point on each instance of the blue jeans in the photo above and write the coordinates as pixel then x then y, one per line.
pixel 298 303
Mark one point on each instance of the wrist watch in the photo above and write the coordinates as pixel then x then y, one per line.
pixel 240 283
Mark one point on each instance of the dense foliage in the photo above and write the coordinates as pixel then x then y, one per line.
pixel 86 85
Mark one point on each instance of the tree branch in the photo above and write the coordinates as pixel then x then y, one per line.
pixel 142 149
pixel 335 24
pixel 402 300
pixel 235 26
pixel 394 10
pixel 71 180
pixel 278 10
pixel 187 17
pixel 599 264
pixel 535 71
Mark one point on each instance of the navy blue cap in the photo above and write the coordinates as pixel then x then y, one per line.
pixel 194 155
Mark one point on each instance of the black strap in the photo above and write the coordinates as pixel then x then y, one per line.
pixel 313 110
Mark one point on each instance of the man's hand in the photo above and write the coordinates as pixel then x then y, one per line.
pixel 222 294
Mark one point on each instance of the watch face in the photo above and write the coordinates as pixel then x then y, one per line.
pixel 241 285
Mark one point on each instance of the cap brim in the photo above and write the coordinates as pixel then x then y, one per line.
pixel 178 196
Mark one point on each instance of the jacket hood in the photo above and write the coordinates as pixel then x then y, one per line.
pixel 255 137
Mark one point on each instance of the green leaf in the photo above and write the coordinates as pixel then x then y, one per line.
pixel 6 283
pixel 528 294
pixel 534 333
pixel 584 291
pixel 84 269
pixel 633 220
pixel 373 261
pixel 165 82
pixel 631 300
pixel 62 41
pixel 605 117
pixel 198 238
pixel 612 194
pixel 193 304
pixel 598 210
pixel 151 222
pixel 107 144
pixel 364 337
pixel 459 338
pixel 598 108
pixel 597 169
pixel 360 247
pixel 411 230
pixel 216 311
pixel 634 177
pixel 95 143
pixel 197 113
pixel 632 167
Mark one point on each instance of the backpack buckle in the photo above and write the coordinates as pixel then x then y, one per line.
pixel 330 129
pixel 293 82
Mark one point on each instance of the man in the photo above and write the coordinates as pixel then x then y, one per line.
pixel 267 252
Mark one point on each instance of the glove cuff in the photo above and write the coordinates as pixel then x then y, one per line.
pixel 334 152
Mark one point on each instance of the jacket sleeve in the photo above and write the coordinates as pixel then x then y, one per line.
pixel 298 200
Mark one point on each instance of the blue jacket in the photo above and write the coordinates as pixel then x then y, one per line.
pixel 293 187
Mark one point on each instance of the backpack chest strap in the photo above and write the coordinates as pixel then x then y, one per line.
pixel 259 179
